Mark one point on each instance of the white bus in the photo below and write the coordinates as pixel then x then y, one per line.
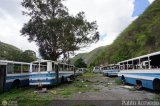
pixel 13 74
pixel 110 70
pixel 143 71
pixel 47 72
pixel 97 69
pixel 80 71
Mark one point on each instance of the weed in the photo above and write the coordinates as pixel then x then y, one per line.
pixel 27 97
pixel 117 81
pixel 89 75
pixel 132 89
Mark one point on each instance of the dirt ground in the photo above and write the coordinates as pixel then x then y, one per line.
pixel 107 89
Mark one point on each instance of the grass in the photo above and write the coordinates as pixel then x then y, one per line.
pixel 117 81
pixel 96 89
pixel 26 97
pixel 131 89
pixel 77 87
pixel 89 75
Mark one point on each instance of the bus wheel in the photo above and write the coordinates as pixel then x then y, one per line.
pixel 72 77
pixel 138 85
pixel 123 80
pixel 156 84
pixel 16 84
pixel 62 80
pixel 107 75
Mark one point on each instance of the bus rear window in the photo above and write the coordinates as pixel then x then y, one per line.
pixel 96 68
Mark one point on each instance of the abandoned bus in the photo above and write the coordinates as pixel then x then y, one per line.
pixel 110 70
pixel 97 69
pixel 13 74
pixel 47 72
pixel 80 71
pixel 66 72
pixel 143 71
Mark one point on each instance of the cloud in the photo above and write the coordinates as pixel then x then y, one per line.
pixel 112 17
pixel 11 22
pixel 151 1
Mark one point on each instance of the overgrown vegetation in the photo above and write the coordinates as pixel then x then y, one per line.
pixel 79 63
pixel 117 81
pixel 26 97
pixel 89 74
pixel 9 52
pixel 78 87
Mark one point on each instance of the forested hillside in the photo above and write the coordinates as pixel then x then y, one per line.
pixel 88 57
pixel 9 52
pixel 141 37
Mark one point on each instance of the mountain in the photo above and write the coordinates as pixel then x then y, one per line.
pixel 88 57
pixel 139 38
pixel 10 52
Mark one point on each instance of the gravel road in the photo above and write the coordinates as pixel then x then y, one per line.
pixel 107 90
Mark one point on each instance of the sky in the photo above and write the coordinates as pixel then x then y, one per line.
pixel 139 7
pixel 112 17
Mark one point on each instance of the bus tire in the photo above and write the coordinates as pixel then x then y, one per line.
pixel 138 85
pixel 156 84
pixel 72 77
pixel 107 75
pixel 123 80
pixel 16 84
pixel 62 79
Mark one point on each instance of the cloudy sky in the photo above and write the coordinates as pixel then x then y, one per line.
pixel 112 17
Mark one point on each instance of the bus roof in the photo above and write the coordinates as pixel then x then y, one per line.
pixel 14 62
pixel 110 65
pixel 51 61
pixel 143 56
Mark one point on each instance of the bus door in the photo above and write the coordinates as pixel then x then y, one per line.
pixel 57 73
pixel 2 77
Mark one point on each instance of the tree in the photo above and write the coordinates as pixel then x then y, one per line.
pixel 55 31
pixel 28 56
pixel 80 63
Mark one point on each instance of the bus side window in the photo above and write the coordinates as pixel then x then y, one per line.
pixel 25 68
pixel 53 67
pixel 36 67
pixel 17 68
pixel 43 66
pixel 10 68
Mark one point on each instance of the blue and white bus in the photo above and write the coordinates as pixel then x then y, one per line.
pixel 143 71
pixel 47 72
pixel 110 70
pixel 13 74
